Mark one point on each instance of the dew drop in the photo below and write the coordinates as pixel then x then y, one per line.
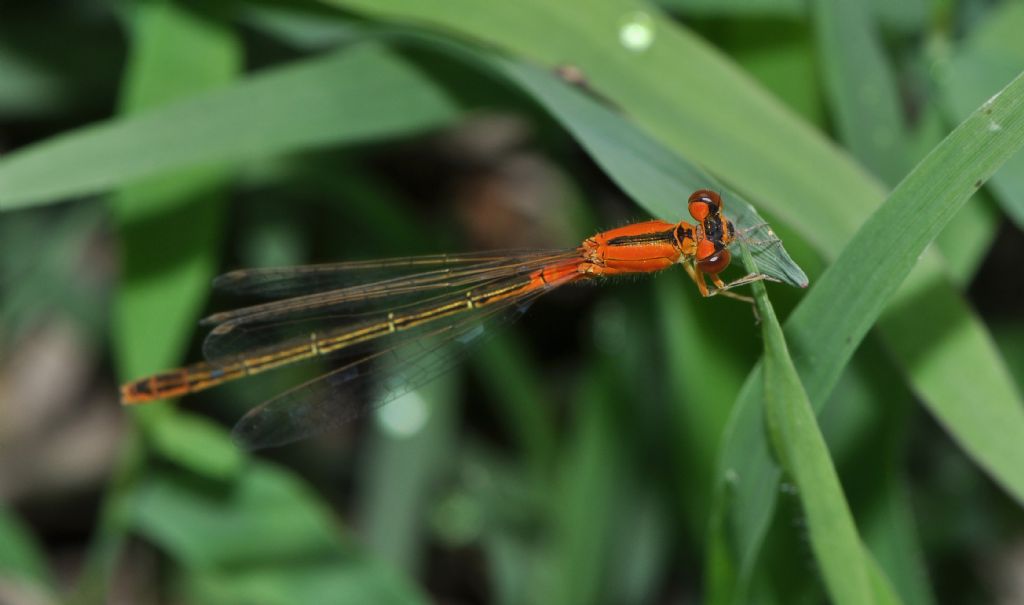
pixel 403 417
pixel 636 33
pixel 986 107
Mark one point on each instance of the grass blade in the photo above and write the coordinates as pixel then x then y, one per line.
pixel 404 463
pixel 587 499
pixel 737 8
pixel 266 538
pixel 991 55
pixel 869 117
pixel 829 323
pixel 656 178
pixel 700 385
pixel 21 556
pixel 358 94
pixel 861 87
pixel 890 531
pixel 732 125
pixel 161 293
pixel 169 38
pixel 801 450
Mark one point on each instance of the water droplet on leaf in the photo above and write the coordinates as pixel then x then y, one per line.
pixel 405 416
pixel 637 32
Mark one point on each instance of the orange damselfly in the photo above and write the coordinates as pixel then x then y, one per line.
pixel 336 310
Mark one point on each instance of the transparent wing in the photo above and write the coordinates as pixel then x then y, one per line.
pixel 766 249
pixel 281 282
pixel 295 319
pixel 366 296
pixel 342 395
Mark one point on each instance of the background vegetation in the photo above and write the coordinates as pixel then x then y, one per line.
pixel 625 444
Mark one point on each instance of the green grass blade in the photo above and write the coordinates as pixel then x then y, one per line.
pixel 991 55
pixel 161 293
pixel 737 8
pixel 908 15
pixel 782 56
pixel 266 516
pixel 192 441
pixel 801 450
pixel 681 92
pixel 266 538
pixel 505 366
pixel 402 468
pixel 656 178
pixel 358 94
pixel 866 423
pixel 827 326
pixel 987 422
pixel 21 556
pixel 700 384
pixel 144 338
pixel 586 499
pixel 868 114
pixel 861 88
pixel 890 531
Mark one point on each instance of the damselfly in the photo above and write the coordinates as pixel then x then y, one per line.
pixel 411 317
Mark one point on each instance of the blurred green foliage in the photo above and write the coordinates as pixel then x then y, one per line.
pixel 621 444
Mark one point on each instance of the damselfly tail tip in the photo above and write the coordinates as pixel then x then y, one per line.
pixel 131 395
pixel 139 392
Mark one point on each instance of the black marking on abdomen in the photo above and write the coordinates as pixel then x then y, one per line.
pixel 643 238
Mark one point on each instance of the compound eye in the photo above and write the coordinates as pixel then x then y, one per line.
pixel 716 263
pixel 703 203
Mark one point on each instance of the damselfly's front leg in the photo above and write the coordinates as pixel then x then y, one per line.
pixel 724 289
pixel 721 288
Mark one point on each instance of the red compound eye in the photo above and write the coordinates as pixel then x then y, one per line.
pixel 716 263
pixel 704 202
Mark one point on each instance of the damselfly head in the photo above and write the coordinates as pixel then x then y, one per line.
pixel 713 233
